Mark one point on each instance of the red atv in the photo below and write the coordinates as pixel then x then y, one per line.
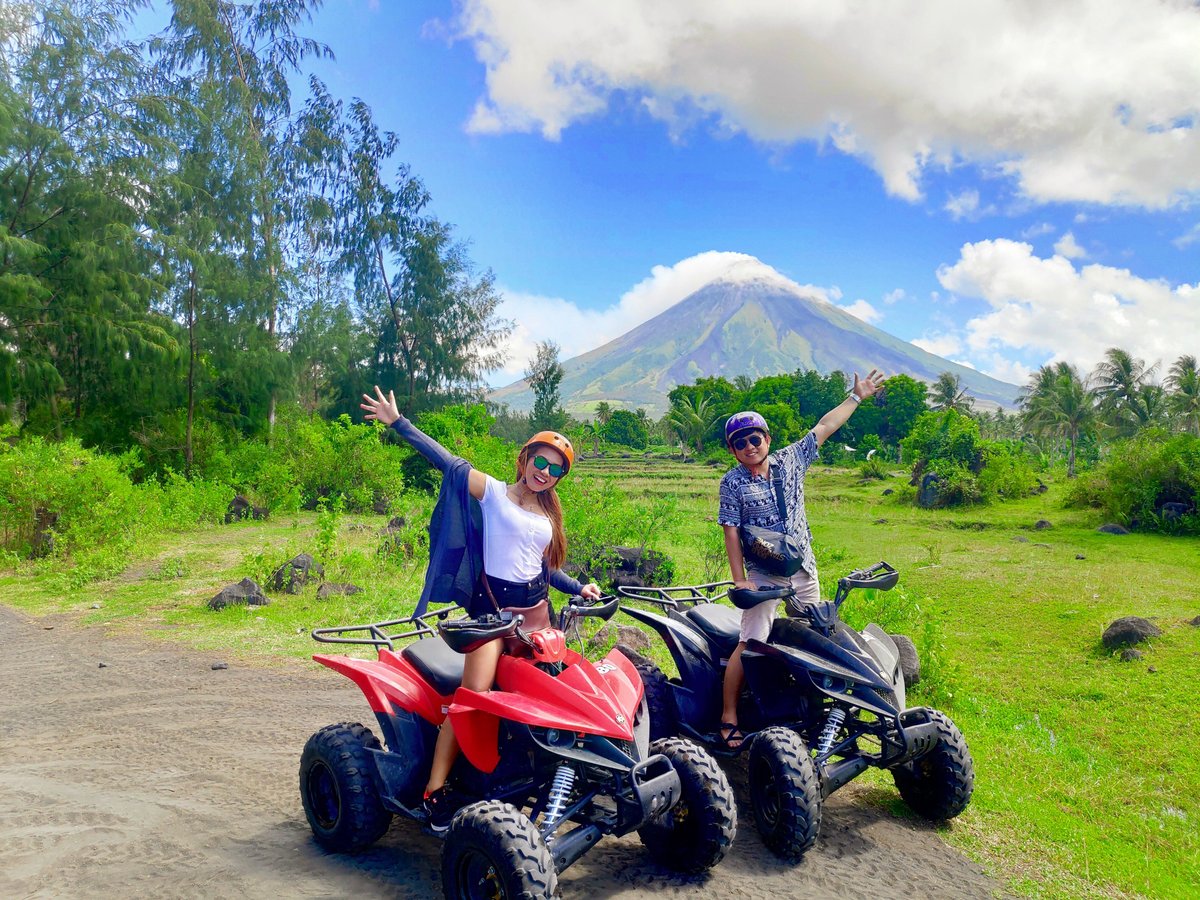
pixel 557 755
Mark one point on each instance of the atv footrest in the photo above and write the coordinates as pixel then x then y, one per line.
pixel 654 788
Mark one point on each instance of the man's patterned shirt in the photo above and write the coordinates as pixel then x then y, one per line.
pixel 747 500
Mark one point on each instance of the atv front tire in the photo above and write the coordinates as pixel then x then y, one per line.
pixel 493 850
pixel 785 793
pixel 660 701
pixel 695 834
pixel 939 785
pixel 337 788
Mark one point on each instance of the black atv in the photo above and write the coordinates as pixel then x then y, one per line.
pixel 822 703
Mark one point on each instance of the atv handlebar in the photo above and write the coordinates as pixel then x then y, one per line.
pixel 578 607
pixel 879 577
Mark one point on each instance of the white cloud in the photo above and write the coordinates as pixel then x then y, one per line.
pixel 939 344
pixel 863 310
pixel 1007 370
pixel 1079 100
pixel 893 297
pixel 1041 228
pixel 577 330
pixel 1050 309
pixel 1067 246
pixel 963 205
pixel 1189 237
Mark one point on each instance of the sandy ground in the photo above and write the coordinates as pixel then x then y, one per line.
pixel 157 776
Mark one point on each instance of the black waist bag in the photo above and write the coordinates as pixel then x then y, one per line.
pixel 775 551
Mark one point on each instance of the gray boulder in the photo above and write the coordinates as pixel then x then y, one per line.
pixel 245 592
pixel 626 635
pixel 627 567
pixel 910 663
pixel 1172 511
pixel 331 589
pixel 1042 524
pixel 1129 630
pixel 297 572
pixel 929 494
pixel 1113 528
pixel 1129 654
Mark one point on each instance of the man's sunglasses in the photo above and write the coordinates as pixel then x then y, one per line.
pixel 555 470
pixel 754 440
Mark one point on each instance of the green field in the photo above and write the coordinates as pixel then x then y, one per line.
pixel 1087 784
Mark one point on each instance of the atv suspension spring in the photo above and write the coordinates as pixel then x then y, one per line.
pixel 837 716
pixel 556 799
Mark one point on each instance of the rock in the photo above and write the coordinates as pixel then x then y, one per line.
pixel 239 508
pixel 910 663
pixel 1041 487
pixel 929 494
pixel 628 635
pixel 1020 539
pixel 297 572
pixel 1129 654
pixel 96 606
pixel 103 665
pixel 1129 630
pixel 1043 546
pixel 1196 621
pixel 220 665
pixel 880 521
pixel 381 506
pixel 1041 525
pixel 245 592
pixel 1172 511
pixel 627 567
pixel 259 513
pixel 1113 528
pixel 330 589
pixel 1151 669
pixel 1080 556
pixel 888 492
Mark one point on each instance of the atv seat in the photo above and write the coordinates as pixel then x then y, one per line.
pixel 720 624
pixel 437 663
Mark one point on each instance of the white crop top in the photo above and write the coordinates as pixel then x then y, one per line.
pixel 514 538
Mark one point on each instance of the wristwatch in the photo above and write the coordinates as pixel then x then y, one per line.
pixel 853 396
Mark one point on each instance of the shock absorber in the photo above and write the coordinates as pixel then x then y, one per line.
pixel 837 716
pixel 556 799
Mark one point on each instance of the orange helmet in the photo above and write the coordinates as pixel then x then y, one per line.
pixel 558 442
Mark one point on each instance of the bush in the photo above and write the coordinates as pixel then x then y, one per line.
pixel 971 469
pixel 1140 476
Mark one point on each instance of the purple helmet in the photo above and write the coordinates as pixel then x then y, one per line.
pixel 744 421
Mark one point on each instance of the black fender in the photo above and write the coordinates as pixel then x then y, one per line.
pixel 698 690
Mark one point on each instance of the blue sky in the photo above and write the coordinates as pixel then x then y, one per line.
pixel 1003 183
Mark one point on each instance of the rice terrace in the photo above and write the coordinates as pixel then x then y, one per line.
pixel 416 419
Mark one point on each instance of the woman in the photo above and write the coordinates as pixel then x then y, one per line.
pixel 504 551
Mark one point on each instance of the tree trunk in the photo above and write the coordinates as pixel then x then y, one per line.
pixel 191 385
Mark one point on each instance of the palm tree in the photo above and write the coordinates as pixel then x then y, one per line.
pixel 691 418
pixel 1183 381
pixel 1057 402
pixel 948 393
pixel 1119 382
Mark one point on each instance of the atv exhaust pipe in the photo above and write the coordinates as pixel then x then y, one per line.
pixel 836 775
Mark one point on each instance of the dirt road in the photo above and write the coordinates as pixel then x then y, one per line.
pixel 154 775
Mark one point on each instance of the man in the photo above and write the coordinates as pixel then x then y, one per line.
pixel 748 497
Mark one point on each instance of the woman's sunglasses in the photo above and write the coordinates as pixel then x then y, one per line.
pixel 555 470
pixel 754 440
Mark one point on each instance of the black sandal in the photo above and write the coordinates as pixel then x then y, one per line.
pixel 734 739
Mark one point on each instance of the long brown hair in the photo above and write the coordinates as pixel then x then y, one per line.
pixel 556 550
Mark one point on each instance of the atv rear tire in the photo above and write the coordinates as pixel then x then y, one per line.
pixel 694 834
pixel 338 790
pixel 785 793
pixel 493 850
pixel 660 701
pixel 939 785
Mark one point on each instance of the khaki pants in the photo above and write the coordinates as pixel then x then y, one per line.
pixel 756 621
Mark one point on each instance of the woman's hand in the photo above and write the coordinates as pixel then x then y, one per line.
pixel 590 592
pixel 867 387
pixel 382 409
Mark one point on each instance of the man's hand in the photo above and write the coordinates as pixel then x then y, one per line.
pixel 382 409
pixel 867 387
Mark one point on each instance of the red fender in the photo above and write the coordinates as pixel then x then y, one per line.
pixel 389 682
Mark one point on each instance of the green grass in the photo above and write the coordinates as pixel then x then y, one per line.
pixel 1087 781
